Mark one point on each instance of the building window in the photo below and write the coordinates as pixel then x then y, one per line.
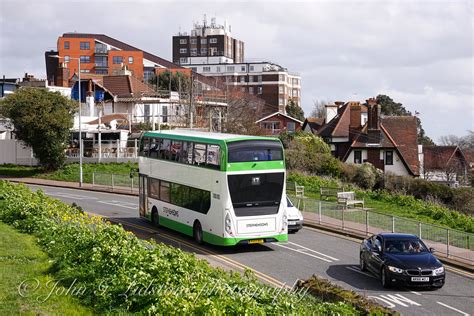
pixel 183 50
pixel 389 157
pixel 66 45
pixel 242 78
pixel 218 69
pixel 183 41
pixel 193 41
pixel 242 68
pixel 281 89
pixel 194 69
pixel 117 59
pixel 357 156
pixel 230 68
pixel 291 126
pixel 101 71
pixel 206 69
pixel 280 101
pixel 260 78
pixel 250 78
pixel 242 89
pixel 85 45
pixel 251 90
pixel 85 70
pixel 203 51
pixel 282 77
pixel 130 60
pixel 85 59
pixel 66 59
pixel 203 41
pixel 251 68
pixel 213 40
pixel 194 51
pixel 183 60
pixel 259 90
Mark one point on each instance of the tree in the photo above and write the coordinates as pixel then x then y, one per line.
pixel 294 110
pixel 243 110
pixel 390 107
pixel 319 108
pixel 464 142
pixel 176 81
pixel 42 120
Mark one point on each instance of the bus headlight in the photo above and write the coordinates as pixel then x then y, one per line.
pixel 228 227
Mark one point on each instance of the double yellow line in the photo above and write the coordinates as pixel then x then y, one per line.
pixel 230 262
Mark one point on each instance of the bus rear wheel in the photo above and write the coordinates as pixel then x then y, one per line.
pixel 155 219
pixel 197 232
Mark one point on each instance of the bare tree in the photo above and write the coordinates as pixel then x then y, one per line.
pixel 464 142
pixel 318 109
pixel 242 113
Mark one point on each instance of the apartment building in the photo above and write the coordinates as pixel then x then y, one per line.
pixel 99 54
pixel 269 81
pixel 207 44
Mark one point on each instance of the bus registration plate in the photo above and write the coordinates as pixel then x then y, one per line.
pixel 256 241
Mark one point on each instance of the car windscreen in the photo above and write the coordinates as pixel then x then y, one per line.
pixel 254 150
pixel 405 246
pixel 288 202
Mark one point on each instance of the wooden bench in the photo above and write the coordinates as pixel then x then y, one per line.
pixel 349 199
pixel 327 192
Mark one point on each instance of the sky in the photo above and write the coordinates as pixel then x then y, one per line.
pixel 420 53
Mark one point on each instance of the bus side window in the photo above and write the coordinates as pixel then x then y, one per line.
pixel 144 147
pixel 199 154
pixel 165 148
pixel 183 154
pixel 154 188
pixel 154 147
pixel 176 147
pixel 213 156
pixel 165 191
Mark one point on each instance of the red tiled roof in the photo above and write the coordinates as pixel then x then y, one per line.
pixel 314 123
pixel 404 134
pixel 125 86
pixel 438 157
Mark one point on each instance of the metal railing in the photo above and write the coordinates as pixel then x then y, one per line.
pixel 107 149
pixel 114 181
pixel 449 242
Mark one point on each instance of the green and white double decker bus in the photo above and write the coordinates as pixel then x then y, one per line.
pixel 222 189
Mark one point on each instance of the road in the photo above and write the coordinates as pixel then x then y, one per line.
pixel 308 252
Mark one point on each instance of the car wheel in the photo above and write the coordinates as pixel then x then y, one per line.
pixel 155 219
pixel 363 265
pixel 197 232
pixel 384 278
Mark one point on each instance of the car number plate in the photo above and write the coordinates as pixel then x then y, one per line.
pixel 256 241
pixel 420 279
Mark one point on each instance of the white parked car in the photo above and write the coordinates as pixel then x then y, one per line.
pixel 295 218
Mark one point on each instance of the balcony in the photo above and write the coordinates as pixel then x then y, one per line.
pixel 100 51
pixel 101 65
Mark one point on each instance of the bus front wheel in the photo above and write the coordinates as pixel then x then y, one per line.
pixel 155 220
pixel 197 232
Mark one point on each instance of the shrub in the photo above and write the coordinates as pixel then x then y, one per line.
pixel 365 176
pixel 112 264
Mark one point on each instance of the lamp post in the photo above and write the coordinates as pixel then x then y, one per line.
pixel 80 114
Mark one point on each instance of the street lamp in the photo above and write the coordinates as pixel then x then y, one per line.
pixel 80 125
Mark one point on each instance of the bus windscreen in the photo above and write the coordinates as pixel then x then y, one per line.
pixel 254 150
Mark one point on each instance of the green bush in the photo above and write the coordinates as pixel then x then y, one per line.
pixel 365 176
pixel 113 264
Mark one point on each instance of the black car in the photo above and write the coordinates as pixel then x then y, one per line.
pixel 401 259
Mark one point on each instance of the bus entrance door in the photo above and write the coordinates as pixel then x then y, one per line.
pixel 143 195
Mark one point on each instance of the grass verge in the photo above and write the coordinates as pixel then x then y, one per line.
pixel 23 262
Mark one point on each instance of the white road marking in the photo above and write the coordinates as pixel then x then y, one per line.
pixel 308 249
pixel 119 204
pixel 356 269
pixel 416 293
pixel 393 300
pixel 71 196
pixel 302 252
pixel 454 309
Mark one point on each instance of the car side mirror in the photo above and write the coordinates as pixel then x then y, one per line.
pixel 432 249
pixel 376 249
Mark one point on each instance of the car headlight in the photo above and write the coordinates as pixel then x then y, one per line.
pixel 395 269
pixel 438 271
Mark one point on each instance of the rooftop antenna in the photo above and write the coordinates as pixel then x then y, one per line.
pixel 205 20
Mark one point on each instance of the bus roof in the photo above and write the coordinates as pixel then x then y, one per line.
pixel 205 136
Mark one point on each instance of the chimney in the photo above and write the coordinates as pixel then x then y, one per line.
pixel 373 124
pixel 354 119
pixel 330 111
